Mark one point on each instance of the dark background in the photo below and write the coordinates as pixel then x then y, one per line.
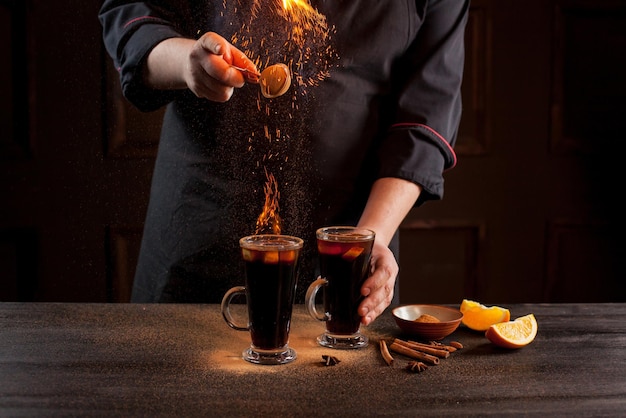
pixel 532 212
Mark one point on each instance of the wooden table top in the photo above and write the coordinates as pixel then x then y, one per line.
pixel 60 359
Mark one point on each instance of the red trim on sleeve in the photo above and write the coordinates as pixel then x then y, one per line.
pixel 130 22
pixel 437 135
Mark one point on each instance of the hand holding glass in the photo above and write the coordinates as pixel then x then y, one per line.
pixel 344 257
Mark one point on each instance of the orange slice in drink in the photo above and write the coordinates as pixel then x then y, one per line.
pixel 352 253
pixel 513 334
pixel 247 254
pixel 329 248
pixel 270 257
pixel 288 256
pixel 479 317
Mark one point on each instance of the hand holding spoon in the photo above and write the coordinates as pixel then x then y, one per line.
pixel 251 75
pixel 275 80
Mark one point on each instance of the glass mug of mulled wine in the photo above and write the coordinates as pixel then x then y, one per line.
pixel 344 256
pixel 271 273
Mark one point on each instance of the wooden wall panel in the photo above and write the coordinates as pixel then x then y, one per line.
pixel 129 132
pixel 18 248
pixel 123 249
pixel 473 138
pixel 441 261
pixel 130 135
pixel 19 241
pixel 582 260
pixel 7 132
pixel 588 105
pixel 14 140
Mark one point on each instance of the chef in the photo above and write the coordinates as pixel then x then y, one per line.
pixel 362 135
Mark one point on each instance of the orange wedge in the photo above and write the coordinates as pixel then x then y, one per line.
pixel 247 254
pixel 330 248
pixel 270 257
pixel 513 334
pixel 479 317
pixel 287 256
pixel 467 304
pixel 352 253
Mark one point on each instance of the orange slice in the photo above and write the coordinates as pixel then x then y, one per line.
pixel 270 257
pixel 287 256
pixel 247 254
pixel 468 304
pixel 513 334
pixel 479 317
pixel 330 248
pixel 352 253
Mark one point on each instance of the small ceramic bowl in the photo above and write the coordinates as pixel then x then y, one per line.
pixel 406 315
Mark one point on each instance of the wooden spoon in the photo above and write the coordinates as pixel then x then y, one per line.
pixel 275 80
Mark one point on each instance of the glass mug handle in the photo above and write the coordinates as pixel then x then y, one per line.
pixel 311 293
pixel 231 293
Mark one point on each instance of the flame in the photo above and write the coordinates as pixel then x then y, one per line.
pixel 290 5
pixel 269 221
pixel 305 21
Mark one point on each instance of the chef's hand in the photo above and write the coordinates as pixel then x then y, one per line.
pixel 209 73
pixel 203 66
pixel 388 204
pixel 379 287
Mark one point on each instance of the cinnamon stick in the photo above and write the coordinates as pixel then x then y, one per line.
pixel 385 353
pixel 441 352
pixel 424 348
pixel 410 352
pixel 449 348
pixel 452 346
pixel 456 344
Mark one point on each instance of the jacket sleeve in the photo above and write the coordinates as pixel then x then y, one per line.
pixel 130 31
pixel 419 144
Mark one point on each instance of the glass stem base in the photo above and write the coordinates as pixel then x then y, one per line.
pixel 346 342
pixel 269 357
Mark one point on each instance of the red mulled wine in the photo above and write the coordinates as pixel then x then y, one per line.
pixel 344 264
pixel 271 278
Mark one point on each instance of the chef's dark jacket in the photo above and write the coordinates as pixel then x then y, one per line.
pixel 388 105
